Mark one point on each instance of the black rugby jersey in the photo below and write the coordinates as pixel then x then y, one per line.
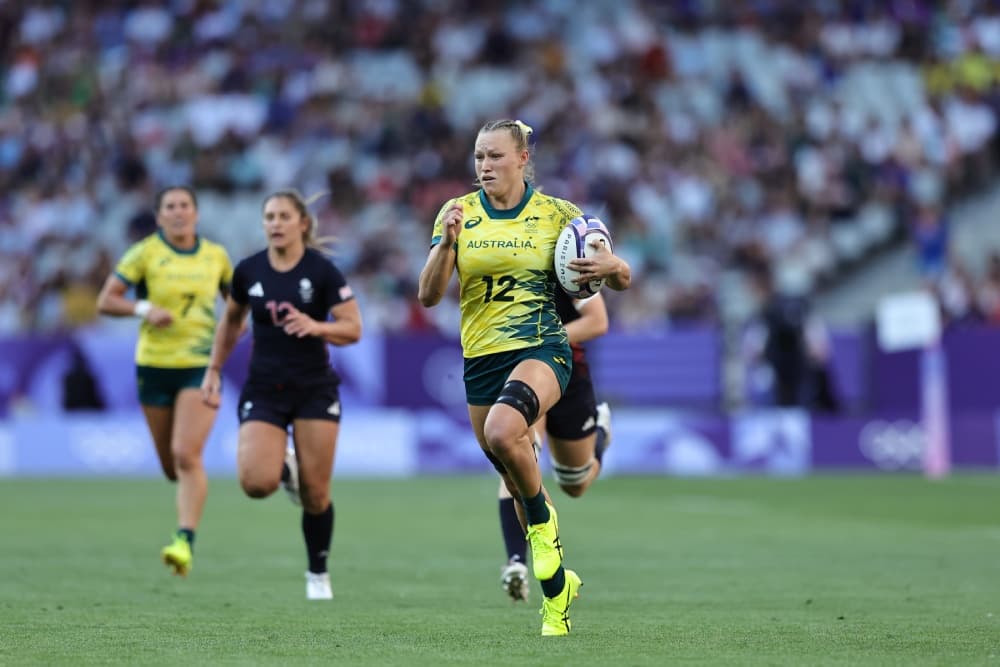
pixel 313 286
pixel 566 307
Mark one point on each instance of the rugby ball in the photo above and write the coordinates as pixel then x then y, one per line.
pixel 574 242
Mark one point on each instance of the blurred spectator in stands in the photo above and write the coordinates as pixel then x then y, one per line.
pixel 787 348
pixel 929 231
pixel 822 394
pixel 682 124
pixel 956 293
pixel 80 388
pixel 989 292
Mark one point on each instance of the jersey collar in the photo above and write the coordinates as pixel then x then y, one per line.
pixel 180 251
pixel 507 213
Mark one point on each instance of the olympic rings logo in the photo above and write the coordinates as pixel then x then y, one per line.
pixel 106 448
pixel 896 445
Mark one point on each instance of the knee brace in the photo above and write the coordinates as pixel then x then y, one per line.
pixel 570 476
pixel 522 398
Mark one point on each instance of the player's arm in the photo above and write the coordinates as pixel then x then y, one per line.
pixel 344 329
pixel 225 275
pixel 226 336
pixel 441 260
pixel 225 290
pixel 593 320
pixel 113 300
pixel 614 270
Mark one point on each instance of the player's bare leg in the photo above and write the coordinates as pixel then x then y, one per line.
pixel 160 421
pixel 177 555
pixel 514 571
pixel 574 464
pixel 506 435
pixel 577 463
pixel 192 424
pixel 259 456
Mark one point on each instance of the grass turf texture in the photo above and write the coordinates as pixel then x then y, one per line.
pixel 824 570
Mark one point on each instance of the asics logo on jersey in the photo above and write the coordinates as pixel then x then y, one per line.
pixel 256 290
pixel 472 222
pixel 559 360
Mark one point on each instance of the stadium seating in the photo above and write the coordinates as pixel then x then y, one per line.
pixel 710 138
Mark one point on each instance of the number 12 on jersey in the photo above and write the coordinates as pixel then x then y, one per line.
pixel 504 284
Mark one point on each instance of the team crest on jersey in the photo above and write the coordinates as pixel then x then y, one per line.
pixel 256 290
pixel 531 224
pixel 306 290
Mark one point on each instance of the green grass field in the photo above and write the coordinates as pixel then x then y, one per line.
pixel 825 570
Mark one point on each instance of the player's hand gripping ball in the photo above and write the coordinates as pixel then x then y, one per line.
pixel 581 237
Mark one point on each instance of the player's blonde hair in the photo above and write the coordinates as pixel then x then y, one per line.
pixel 519 132
pixel 301 204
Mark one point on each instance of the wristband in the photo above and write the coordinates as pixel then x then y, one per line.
pixel 142 308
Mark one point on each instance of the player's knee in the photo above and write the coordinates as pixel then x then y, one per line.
pixel 257 487
pixel 186 459
pixel 501 439
pixel 314 501
pixel 258 490
pixel 573 490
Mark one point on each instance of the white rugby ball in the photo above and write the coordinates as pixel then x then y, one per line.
pixel 574 242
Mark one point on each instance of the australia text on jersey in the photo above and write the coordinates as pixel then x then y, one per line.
pixel 499 243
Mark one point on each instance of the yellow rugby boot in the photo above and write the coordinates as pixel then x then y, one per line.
pixel 555 611
pixel 177 556
pixel 546 549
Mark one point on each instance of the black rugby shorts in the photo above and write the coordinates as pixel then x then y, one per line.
pixel 282 404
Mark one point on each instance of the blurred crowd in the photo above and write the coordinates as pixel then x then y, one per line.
pixel 715 138
pixel 967 297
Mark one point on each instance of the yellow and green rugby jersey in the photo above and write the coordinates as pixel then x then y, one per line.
pixel 185 282
pixel 505 270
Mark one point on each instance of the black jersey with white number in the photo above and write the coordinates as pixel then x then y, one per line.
pixel 313 286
